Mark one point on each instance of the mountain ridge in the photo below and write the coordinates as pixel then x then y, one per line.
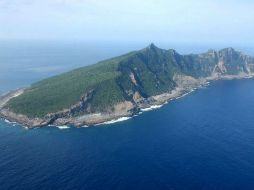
pixel 122 85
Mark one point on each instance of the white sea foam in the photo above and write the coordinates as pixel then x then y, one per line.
pixel 9 122
pixel 115 121
pixel 63 127
pixel 6 121
pixel 184 94
pixel 151 108
pixel 84 126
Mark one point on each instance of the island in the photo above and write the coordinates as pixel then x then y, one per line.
pixel 120 87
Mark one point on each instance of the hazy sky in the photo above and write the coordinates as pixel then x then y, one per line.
pixel 134 20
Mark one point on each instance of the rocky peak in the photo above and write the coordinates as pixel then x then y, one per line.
pixel 211 53
pixel 152 48
pixel 228 51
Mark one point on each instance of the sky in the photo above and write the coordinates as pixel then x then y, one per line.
pixel 129 20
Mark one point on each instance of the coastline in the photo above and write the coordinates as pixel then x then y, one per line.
pixel 185 85
pixel 5 97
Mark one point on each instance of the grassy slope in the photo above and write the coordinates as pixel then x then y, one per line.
pixel 109 79
pixel 62 91
pixel 153 69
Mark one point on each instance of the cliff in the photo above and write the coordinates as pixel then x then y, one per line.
pixel 120 86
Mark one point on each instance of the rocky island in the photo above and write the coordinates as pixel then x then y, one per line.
pixel 120 86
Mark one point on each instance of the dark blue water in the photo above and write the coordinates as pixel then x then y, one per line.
pixel 202 141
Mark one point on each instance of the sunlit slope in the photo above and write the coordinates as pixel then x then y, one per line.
pixel 146 72
pixel 62 91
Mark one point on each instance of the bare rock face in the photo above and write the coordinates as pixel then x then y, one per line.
pixel 137 97
pixel 184 81
pixel 8 114
pixel 34 122
pixel 122 86
pixel 133 80
pixel 6 97
pixel 123 106
pixel 119 110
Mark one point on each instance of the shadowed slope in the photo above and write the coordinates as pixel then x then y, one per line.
pixel 142 73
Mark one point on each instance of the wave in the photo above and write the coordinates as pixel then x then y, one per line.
pixel 183 95
pixel 63 127
pixel 115 121
pixel 84 126
pixel 150 108
pixel 10 122
pixel 206 84
pixel 6 121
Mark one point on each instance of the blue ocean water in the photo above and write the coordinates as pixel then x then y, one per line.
pixel 24 62
pixel 204 140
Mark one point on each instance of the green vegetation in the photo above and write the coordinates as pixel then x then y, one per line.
pixel 107 94
pixel 62 91
pixel 149 71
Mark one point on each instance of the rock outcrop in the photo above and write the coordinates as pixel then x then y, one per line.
pixel 120 86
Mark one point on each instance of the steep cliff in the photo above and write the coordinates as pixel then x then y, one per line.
pixel 121 86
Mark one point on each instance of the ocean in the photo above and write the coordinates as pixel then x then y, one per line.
pixel 204 140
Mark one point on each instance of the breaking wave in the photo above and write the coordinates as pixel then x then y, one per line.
pixel 63 127
pixel 115 120
pixel 151 108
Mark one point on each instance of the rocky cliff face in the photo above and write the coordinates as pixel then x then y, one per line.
pixel 123 85
pixel 151 71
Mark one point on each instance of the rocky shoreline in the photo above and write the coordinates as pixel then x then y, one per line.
pixel 126 109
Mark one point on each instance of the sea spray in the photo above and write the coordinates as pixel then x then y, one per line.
pixel 114 121
pixel 10 122
pixel 151 108
pixel 63 127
